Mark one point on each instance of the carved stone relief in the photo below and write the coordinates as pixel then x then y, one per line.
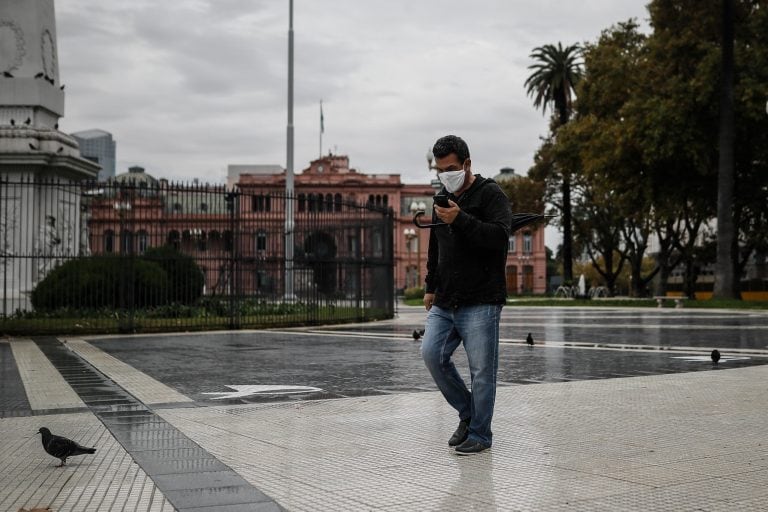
pixel 12 46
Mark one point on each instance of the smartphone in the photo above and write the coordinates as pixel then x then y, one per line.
pixel 441 200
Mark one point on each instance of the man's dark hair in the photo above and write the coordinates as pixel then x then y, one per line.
pixel 451 144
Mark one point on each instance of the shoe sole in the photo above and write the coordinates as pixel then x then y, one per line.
pixel 464 454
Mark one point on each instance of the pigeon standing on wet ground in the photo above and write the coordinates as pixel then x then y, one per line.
pixel 61 447
pixel 715 356
pixel 417 333
pixel 529 339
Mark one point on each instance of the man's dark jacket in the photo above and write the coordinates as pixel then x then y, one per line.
pixel 467 259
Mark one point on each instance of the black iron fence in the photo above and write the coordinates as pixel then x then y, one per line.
pixel 139 256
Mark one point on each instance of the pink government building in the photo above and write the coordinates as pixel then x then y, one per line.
pixel 157 219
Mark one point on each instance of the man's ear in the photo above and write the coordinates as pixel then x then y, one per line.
pixel 468 163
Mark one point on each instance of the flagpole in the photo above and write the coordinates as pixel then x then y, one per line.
pixel 322 129
pixel 288 249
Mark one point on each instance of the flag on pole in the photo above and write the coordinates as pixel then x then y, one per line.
pixel 322 119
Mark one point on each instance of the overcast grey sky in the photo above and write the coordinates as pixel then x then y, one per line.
pixel 190 86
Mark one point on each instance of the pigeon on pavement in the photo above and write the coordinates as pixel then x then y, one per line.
pixel 715 356
pixel 529 339
pixel 417 333
pixel 61 447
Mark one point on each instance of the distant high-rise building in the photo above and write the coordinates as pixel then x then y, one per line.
pixel 98 146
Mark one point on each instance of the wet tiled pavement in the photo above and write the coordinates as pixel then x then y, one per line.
pixel 383 357
pixel 679 435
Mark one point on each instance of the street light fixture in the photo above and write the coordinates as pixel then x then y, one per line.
pixel 434 183
pixel 410 235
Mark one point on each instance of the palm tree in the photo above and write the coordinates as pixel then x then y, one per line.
pixel 556 72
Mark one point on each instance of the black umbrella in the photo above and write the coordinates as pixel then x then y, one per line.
pixel 519 220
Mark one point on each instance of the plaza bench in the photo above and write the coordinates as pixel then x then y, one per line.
pixel 678 300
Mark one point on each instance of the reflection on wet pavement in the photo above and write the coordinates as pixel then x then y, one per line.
pixel 382 357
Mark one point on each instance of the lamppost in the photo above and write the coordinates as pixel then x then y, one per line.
pixel 410 235
pixel 523 260
pixel 121 207
pixel 434 183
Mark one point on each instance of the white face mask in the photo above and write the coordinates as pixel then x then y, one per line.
pixel 452 180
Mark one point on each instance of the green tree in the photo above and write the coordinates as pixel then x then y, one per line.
pixel 615 203
pixel 750 202
pixel 556 71
pixel 524 193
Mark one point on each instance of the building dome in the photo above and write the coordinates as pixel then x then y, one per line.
pixel 136 177
pixel 505 173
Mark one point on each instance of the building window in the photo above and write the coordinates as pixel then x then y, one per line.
pixel 312 203
pixel 337 202
pixel 328 202
pixel 126 241
pixel 203 207
pixel 143 241
pixel 512 244
pixel 353 246
pixel 302 202
pixel 177 207
pixel 173 239
pixel 202 240
pixel 527 243
pixel 261 241
pixel 261 203
pixel 109 241
pixel 378 243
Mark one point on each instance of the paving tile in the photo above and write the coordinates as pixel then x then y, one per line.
pixel 197 480
pixel 91 482
pixel 45 388
pixel 142 386
pixel 209 496
pixel 682 441
pixel 251 507
pixel 616 444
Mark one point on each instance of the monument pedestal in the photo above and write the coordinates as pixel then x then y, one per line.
pixel 40 167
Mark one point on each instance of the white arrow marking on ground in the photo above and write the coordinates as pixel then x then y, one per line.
pixel 243 391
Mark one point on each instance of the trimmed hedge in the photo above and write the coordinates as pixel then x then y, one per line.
pixel 96 283
pixel 416 292
pixel 161 277
pixel 185 278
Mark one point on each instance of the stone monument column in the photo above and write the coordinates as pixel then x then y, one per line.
pixel 40 167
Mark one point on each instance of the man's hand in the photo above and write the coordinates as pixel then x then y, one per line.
pixel 429 298
pixel 448 215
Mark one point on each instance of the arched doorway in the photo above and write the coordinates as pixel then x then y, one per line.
pixel 320 254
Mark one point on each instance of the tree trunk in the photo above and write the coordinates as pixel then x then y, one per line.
pixel 726 284
pixel 689 280
pixel 567 233
pixel 561 105
pixel 660 290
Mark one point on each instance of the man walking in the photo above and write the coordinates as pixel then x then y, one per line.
pixel 465 291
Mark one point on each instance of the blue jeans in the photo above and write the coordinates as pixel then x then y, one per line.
pixel 478 327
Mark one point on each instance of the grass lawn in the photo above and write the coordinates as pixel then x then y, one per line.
pixel 33 325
